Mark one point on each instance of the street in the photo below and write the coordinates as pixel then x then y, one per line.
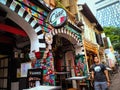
pixel 115 85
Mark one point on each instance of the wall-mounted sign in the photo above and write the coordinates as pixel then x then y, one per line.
pixel 57 17
pixel 34 77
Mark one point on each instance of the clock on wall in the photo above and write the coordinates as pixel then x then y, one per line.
pixel 48 38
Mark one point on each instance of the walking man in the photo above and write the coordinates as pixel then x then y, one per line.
pixel 100 75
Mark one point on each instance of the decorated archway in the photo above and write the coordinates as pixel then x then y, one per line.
pixel 74 37
pixel 20 16
pixel 71 57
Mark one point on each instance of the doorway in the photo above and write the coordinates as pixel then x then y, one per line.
pixel 62 49
pixel 10 61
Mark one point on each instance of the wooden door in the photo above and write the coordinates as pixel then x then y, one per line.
pixel 4 73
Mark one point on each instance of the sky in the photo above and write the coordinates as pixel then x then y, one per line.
pixel 90 3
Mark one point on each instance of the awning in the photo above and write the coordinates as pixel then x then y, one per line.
pixel 90 46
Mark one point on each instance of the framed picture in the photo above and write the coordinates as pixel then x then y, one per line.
pixel 24 68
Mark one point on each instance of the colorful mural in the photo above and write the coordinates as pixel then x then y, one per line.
pixel 38 14
pixel 80 62
pixel 47 65
pixel 46 62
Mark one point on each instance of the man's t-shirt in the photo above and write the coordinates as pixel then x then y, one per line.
pixel 99 72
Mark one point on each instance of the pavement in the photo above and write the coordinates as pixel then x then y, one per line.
pixel 115 81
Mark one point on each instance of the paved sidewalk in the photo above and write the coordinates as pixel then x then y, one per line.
pixel 115 85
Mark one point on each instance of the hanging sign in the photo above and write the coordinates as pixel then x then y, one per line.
pixel 57 17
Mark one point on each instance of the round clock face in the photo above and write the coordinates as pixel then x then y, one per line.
pixel 48 38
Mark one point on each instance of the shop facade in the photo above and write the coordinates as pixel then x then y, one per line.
pixel 92 34
pixel 91 51
pixel 109 52
pixel 46 42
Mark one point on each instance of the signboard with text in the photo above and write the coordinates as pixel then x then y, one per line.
pixel 57 17
pixel 34 77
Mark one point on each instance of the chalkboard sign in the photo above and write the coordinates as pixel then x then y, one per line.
pixel 34 77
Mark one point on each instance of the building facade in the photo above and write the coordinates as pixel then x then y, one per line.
pixel 50 47
pixel 109 52
pixel 92 39
pixel 107 12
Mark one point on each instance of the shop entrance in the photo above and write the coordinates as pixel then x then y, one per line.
pixel 90 58
pixel 14 49
pixel 63 53
pixel 62 48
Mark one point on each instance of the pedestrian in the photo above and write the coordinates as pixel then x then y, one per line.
pixel 99 75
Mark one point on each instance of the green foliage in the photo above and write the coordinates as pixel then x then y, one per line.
pixel 114 34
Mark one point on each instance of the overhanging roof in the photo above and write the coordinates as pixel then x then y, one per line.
pixel 87 13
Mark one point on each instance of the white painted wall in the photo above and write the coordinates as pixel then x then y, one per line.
pixel 89 31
